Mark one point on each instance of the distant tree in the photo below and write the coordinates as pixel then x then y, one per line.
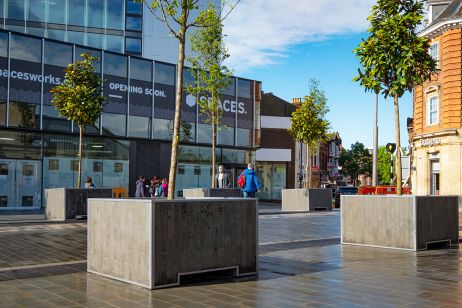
pixel 309 125
pixel 79 97
pixel 384 166
pixel 176 16
pixel 394 58
pixel 210 75
pixel 356 161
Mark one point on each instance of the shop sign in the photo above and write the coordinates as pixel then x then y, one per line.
pixel 429 142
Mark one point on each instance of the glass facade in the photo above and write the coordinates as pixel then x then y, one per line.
pixel 94 23
pixel 273 178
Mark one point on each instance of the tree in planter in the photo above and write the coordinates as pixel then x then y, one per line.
pixel 79 97
pixel 356 161
pixel 308 123
pixel 176 15
pixel 394 58
pixel 383 166
pixel 210 76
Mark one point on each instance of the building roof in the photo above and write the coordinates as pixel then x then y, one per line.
pixel 453 10
pixel 271 105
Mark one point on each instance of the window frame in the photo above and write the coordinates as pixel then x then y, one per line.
pixel 434 53
pixel 431 111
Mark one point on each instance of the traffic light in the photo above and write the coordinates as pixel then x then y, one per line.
pixel 391 148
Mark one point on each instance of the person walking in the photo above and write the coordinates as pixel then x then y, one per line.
pixel 164 188
pixel 222 179
pixel 139 193
pixel 154 188
pixel 252 184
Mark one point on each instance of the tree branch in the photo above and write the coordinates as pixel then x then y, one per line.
pixel 164 19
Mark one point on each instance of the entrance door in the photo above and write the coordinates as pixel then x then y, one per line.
pixel 435 177
pixel 20 184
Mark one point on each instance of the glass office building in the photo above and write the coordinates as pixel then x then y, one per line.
pixel 132 137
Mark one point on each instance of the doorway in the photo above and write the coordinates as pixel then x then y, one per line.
pixel 435 177
pixel 20 184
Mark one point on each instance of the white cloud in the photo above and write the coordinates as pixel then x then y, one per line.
pixel 261 32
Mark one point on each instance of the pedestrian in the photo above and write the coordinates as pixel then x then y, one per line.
pixel 89 183
pixel 139 193
pixel 251 183
pixel 164 188
pixel 222 179
pixel 154 187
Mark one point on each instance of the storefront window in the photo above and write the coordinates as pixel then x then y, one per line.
pixel 114 124
pixel 53 121
pixel 204 133
pixel 162 129
pixel 273 180
pixel 225 135
pixel 139 127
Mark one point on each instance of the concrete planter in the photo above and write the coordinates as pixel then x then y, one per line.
pixel 306 199
pixel 212 192
pixel 151 243
pixel 68 203
pixel 402 222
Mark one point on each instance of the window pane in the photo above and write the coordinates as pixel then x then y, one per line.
pixel 95 40
pixel 133 23
pixel 76 12
pixel 24 48
pixel 115 43
pixel 134 8
pixel 57 11
pixel 76 37
pixel 226 135
pixel 3 79
pixel 204 133
pixel 36 31
pixel 15 9
pixel 115 65
pixel 165 74
pixel 141 69
pixel 231 89
pixel 24 115
pixel 95 13
pixel 95 53
pixel 244 89
pixel 115 14
pixel 56 34
pixel 139 127
pixel 244 137
pixel 53 121
pixel 2 15
pixel 133 45
pixel 163 129
pixel 114 124
pixel 36 10
pixel 3 44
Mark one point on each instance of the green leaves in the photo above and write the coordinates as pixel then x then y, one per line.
pixel 308 123
pixel 356 161
pixel 394 58
pixel 79 97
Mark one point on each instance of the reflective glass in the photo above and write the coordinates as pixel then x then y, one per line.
pixel 134 8
pixel 20 145
pixel 133 45
pixel 58 35
pixel 133 23
pixel 204 133
pixel 36 10
pixel 165 74
pixel 163 129
pixel 24 115
pixel 114 124
pixel 231 89
pixel 89 129
pixel 76 12
pixel 244 89
pixel 36 31
pixel 95 53
pixel 244 137
pixel 115 65
pixel 15 9
pixel 225 135
pixel 188 78
pixel 16 28
pixel 95 40
pixel 25 48
pixel 95 13
pixel 231 156
pixel 139 127
pixel 57 54
pixel 76 37
pixel 115 14
pixel 53 121
pixel 141 69
pixel 3 77
pixel 3 44
pixel 2 15
pixel 115 43
pixel 57 11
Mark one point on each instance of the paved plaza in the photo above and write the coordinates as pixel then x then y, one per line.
pixel 301 263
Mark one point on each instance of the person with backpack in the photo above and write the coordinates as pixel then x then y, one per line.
pixel 248 182
pixel 139 192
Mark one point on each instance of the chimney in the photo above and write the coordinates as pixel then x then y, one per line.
pixel 297 101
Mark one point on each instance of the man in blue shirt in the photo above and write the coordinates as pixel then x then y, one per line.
pixel 252 184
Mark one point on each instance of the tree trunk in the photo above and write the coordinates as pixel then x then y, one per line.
pixel 80 157
pixel 177 119
pixel 308 167
pixel 399 176
pixel 214 142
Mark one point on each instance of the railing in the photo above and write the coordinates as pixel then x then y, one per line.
pixel 382 190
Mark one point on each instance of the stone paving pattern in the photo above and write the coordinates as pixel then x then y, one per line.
pixel 301 264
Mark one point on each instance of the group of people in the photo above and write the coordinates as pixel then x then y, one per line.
pixel 157 188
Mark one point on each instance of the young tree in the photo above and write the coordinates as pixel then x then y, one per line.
pixel 210 75
pixel 176 15
pixel 308 123
pixel 384 166
pixel 79 97
pixel 356 161
pixel 394 58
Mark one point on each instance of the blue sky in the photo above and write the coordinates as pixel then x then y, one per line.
pixel 304 39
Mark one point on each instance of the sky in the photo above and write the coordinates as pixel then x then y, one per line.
pixel 285 43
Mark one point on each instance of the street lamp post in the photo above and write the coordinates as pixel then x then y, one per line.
pixel 374 150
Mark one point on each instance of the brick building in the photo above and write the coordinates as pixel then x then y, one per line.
pixel 437 125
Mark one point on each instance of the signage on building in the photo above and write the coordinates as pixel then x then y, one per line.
pixel 429 142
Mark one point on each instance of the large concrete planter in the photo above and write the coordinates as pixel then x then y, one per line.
pixel 151 242
pixel 306 199
pixel 69 203
pixel 403 222
pixel 212 192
